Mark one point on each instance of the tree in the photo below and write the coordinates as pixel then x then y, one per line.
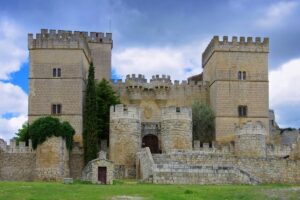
pixel 106 97
pixel 45 127
pixel 90 137
pixel 23 134
pixel 203 122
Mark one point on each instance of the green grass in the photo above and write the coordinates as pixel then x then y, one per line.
pixel 84 191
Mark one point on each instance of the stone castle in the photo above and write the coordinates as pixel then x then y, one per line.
pixel 150 135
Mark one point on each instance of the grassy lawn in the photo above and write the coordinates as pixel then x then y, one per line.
pixel 78 191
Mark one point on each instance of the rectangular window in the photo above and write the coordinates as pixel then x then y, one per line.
pixel 56 109
pixel 241 75
pixel 56 72
pixel 242 110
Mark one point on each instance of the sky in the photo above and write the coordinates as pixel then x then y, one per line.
pixel 153 37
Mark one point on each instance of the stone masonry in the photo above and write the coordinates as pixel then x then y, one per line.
pixel 72 53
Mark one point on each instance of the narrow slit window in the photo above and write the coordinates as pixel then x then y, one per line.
pixel 54 72
pixel 58 72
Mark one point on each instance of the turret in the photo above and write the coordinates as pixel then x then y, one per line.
pixel 135 85
pixel 250 139
pixel 124 137
pixel 176 128
pixel 161 86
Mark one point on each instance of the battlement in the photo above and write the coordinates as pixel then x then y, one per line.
pixel 64 39
pixel 251 128
pixel 98 37
pixel 173 112
pixel 121 111
pixel 134 80
pixel 162 78
pixel 14 148
pixel 241 44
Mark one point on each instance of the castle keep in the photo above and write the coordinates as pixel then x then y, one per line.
pixel 150 135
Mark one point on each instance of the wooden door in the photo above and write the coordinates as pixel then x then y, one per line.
pixel 102 174
pixel 151 141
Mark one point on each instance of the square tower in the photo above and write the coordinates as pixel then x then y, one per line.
pixel 59 62
pixel 237 72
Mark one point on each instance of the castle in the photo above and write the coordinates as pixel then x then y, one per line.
pixel 150 134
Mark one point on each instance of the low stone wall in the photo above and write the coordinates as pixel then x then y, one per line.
pixel 198 174
pixel 17 166
pixel 263 170
pixel 144 164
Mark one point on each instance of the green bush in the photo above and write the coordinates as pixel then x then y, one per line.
pixel 45 127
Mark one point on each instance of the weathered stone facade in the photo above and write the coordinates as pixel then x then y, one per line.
pixel 176 128
pixel 50 161
pixel 251 140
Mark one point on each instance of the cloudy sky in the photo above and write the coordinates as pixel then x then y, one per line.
pixel 153 37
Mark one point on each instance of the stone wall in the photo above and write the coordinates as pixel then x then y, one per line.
pixel 76 162
pixel 144 165
pixel 125 137
pixel 52 160
pixel 251 140
pixel 261 170
pixel 176 128
pixel 17 166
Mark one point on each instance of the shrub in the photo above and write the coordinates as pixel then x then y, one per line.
pixel 45 127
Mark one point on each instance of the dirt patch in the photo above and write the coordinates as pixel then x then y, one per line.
pixel 283 193
pixel 127 198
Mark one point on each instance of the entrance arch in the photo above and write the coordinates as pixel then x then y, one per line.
pixel 151 141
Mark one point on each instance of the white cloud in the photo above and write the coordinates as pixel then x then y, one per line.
pixel 284 83
pixel 14 103
pixel 8 127
pixel 12 48
pixel 277 13
pixel 285 93
pixel 179 62
pixel 13 99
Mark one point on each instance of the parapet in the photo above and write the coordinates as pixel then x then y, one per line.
pixel 63 39
pixel 235 45
pixel 14 148
pixel 121 111
pixel 134 80
pixel 163 81
pixel 173 112
pixel 251 128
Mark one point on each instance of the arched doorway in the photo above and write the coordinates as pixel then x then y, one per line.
pixel 151 141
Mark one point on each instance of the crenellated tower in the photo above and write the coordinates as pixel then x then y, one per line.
pixel 161 87
pixel 135 86
pixel 59 62
pixel 124 137
pixel 176 128
pixel 237 72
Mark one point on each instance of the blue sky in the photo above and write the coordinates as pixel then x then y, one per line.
pixel 175 31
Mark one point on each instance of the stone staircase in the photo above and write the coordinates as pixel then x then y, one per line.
pixel 180 169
